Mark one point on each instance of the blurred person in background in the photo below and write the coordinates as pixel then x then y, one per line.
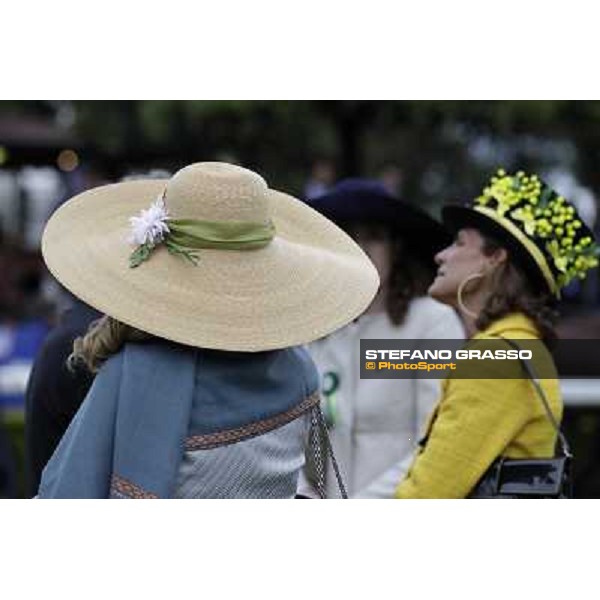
pixel 392 179
pixel 322 177
pixel 7 459
pixel 54 392
pixel 376 423
pixel 516 247
pixel 8 476
pixel 24 323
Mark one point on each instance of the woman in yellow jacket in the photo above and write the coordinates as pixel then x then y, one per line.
pixel 515 248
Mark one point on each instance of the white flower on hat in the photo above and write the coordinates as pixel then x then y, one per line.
pixel 149 230
pixel 150 227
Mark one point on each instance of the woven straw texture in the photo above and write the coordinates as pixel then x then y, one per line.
pixel 309 281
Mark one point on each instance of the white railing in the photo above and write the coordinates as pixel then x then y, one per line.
pixel 13 377
pixel 581 392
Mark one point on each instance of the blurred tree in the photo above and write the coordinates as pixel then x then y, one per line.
pixel 445 148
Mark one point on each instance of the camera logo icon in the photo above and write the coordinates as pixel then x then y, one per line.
pixel 370 366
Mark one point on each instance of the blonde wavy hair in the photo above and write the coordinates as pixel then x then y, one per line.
pixel 105 337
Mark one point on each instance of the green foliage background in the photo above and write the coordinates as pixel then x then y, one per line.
pixel 432 141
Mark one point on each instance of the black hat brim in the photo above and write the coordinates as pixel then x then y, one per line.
pixel 422 232
pixel 456 217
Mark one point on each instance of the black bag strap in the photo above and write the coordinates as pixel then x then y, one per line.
pixel 319 441
pixel 566 450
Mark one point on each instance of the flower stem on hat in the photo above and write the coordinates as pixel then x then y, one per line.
pixel 177 250
pixel 140 254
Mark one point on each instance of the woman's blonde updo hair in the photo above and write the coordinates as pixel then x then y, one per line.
pixel 105 337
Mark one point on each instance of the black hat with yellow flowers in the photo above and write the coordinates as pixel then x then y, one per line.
pixel 541 230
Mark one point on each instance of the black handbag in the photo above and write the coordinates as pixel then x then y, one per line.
pixel 510 478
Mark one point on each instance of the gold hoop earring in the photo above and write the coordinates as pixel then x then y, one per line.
pixel 459 293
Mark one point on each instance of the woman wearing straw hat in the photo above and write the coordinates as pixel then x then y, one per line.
pixel 375 423
pixel 203 389
pixel 515 248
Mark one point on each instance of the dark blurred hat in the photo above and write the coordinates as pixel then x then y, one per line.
pixel 359 200
pixel 541 229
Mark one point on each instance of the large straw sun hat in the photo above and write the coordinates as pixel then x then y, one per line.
pixel 219 260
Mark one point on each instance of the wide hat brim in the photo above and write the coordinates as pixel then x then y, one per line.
pixel 421 231
pixel 457 217
pixel 309 281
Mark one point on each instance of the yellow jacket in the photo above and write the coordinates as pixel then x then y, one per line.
pixel 478 420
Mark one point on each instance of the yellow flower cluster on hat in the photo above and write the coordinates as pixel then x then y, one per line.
pixel 546 217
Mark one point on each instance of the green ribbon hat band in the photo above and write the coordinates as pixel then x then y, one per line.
pixel 186 235
pixel 222 235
